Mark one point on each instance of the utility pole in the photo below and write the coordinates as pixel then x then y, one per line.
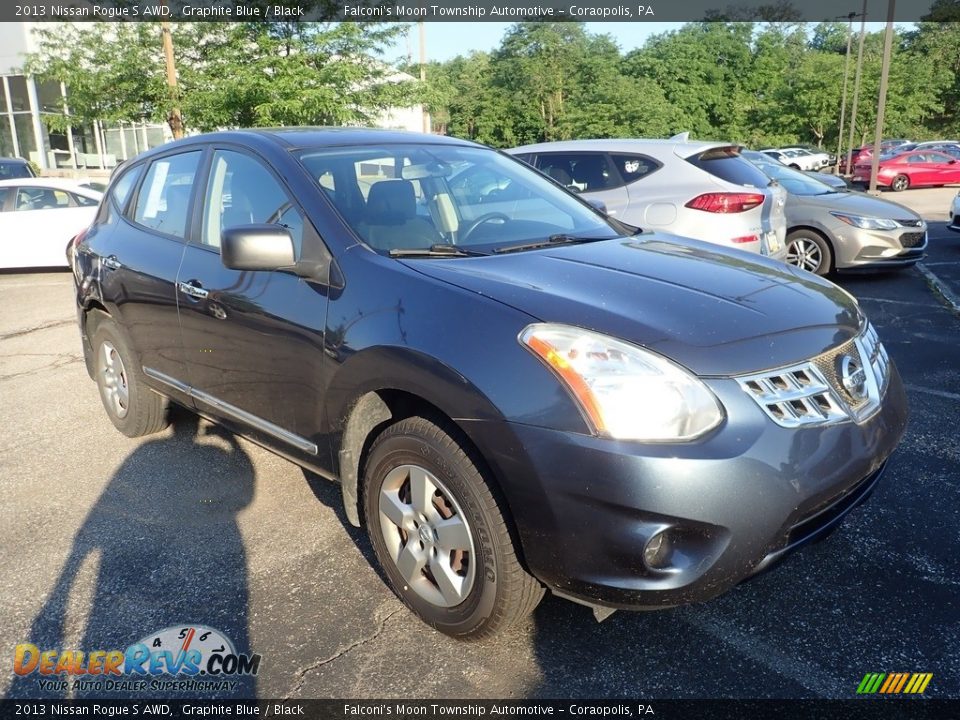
pixel 175 118
pixel 884 76
pixel 843 103
pixel 856 87
pixel 423 73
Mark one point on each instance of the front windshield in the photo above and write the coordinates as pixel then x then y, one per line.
pixel 793 181
pixel 419 196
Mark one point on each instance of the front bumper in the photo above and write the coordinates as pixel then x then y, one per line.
pixel 736 502
pixel 867 250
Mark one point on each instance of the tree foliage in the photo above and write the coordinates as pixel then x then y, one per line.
pixel 775 82
pixel 229 74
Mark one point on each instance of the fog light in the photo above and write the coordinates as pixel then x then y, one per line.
pixel 656 553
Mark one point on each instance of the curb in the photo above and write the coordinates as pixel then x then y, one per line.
pixel 940 288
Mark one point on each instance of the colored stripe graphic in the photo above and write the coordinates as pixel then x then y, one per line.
pixel 894 683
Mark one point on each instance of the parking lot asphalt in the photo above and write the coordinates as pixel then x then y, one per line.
pixel 105 540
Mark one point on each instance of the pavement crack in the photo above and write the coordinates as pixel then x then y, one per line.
pixel 58 361
pixel 301 675
pixel 38 328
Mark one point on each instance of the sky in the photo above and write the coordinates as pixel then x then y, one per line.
pixel 446 40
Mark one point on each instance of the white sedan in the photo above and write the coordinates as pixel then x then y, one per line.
pixel 38 216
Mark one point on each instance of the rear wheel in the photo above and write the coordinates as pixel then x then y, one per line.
pixel 900 183
pixel 132 407
pixel 809 250
pixel 440 535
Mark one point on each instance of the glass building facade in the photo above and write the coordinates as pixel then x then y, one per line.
pixel 27 105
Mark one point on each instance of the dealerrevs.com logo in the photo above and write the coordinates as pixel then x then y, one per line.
pixel 185 657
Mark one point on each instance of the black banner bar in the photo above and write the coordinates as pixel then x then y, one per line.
pixel 872 708
pixel 467 10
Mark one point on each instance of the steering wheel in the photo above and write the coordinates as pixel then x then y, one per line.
pixel 468 230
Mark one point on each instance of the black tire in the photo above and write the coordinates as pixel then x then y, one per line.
pixel 139 410
pixel 803 246
pixel 900 183
pixel 498 592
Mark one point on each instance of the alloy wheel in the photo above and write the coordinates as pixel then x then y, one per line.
pixel 115 389
pixel 804 253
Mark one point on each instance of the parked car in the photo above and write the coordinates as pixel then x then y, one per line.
pixel 37 218
pixel 819 157
pixel 794 158
pixel 510 400
pixel 954 216
pixel 830 229
pixel 831 157
pixel 864 153
pixel 11 168
pixel 834 181
pixel 702 190
pixel 915 168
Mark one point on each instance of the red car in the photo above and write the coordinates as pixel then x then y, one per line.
pixel 917 168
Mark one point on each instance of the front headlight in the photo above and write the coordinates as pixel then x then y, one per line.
pixel 625 392
pixel 866 223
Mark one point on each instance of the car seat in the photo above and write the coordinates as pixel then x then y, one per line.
pixel 391 219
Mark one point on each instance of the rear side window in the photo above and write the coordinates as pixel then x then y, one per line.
pixel 83 200
pixel 726 164
pixel 164 196
pixel 4 195
pixel 634 167
pixel 587 172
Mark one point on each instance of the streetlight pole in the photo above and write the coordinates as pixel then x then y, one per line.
pixel 856 87
pixel 843 103
pixel 884 75
pixel 423 73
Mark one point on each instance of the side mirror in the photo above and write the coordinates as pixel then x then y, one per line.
pixel 951 162
pixel 573 189
pixel 597 204
pixel 257 247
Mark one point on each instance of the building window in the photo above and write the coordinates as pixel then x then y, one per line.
pixel 19 98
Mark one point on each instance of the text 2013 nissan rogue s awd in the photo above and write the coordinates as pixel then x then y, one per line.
pixel 513 393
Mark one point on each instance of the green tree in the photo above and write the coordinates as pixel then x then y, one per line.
pixel 230 74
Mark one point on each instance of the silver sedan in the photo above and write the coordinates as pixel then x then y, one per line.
pixel 836 230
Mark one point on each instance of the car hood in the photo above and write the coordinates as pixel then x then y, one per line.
pixel 857 203
pixel 717 312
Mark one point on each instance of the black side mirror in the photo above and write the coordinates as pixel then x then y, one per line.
pixel 257 247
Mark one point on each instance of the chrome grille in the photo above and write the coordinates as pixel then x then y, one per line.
pixel 813 393
pixel 795 396
pixel 910 222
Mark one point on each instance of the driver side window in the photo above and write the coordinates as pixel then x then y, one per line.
pixel 240 191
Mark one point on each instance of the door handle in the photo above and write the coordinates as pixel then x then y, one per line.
pixel 188 288
pixel 111 263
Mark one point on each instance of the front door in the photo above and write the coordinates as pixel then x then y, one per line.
pixel 253 340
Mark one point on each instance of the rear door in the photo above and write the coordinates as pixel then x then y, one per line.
pixel 590 174
pixel 140 255
pixel 253 340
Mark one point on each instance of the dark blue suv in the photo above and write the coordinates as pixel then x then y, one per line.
pixel 513 391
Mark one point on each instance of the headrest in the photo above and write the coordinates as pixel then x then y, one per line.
pixel 391 202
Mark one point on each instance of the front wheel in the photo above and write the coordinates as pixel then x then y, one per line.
pixel 810 251
pixel 440 535
pixel 900 183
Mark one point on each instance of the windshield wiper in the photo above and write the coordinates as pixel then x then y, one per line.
pixel 438 250
pixel 558 239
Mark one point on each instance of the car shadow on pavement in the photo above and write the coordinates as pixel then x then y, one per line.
pixel 161 548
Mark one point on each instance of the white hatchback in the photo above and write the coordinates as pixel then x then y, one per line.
pixel 701 190
pixel 38 216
